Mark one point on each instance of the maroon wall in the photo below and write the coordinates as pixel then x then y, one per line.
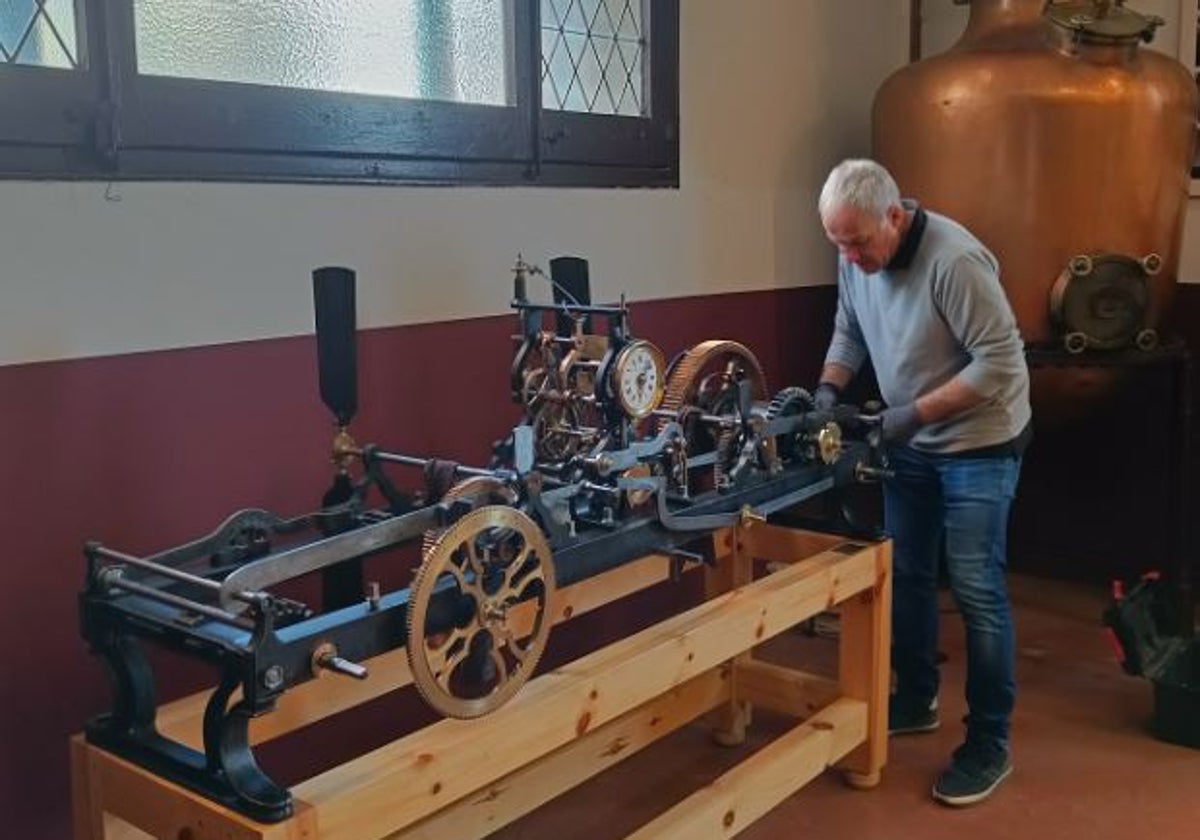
pixel 148 450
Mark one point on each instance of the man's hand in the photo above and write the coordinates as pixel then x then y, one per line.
pixel 899 424
pixel 826 397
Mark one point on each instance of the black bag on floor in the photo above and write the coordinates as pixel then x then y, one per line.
pixel 1153 643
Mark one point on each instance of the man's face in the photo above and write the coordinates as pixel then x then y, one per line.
pixel 863 239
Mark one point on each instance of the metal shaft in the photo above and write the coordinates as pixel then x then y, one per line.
pixel 167 571
pixel 343 666
pixel 410 461
pixel 174 600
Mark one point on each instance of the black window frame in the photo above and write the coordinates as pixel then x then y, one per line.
pixel 107 122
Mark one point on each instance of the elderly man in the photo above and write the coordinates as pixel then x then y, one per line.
pixel 921 297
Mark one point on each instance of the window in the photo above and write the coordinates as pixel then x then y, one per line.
pixel 447 91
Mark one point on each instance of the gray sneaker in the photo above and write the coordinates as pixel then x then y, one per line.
pixel 907 716
pixel 975 771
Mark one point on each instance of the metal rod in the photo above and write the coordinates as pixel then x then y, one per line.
pixel 276 568
pixel 338 665
pixel 568 308
pixel 150 566
pixel 153 594
pixel 714 419
pixel 410 461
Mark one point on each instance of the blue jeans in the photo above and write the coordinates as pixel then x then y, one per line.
pixel 963 505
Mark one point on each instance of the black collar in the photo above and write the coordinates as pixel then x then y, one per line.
pixel 912 238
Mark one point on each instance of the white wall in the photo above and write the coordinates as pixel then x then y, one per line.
pixel 771 97
pixel 942 21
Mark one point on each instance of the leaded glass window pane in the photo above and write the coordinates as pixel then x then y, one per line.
pixel 450 50
pixel 592 52
pixel 39 33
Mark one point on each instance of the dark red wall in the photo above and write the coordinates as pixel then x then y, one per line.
pixel 148 450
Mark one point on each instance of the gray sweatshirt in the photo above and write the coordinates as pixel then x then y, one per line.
pixel 935 312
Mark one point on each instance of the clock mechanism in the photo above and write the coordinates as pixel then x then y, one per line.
pixel 637 378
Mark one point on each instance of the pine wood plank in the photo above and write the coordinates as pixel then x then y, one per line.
pixel 784 690
pixel 182 720
pixel 411 778
pixel 864 666
pixel 755 786
pixel 501 802
pixel 779 544
pixel 733 570
pixel 163 809
pixel 85 814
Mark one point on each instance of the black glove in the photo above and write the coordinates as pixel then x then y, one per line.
pixel 898 424
pixel 826 397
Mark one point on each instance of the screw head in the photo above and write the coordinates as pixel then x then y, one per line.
pixel 273 677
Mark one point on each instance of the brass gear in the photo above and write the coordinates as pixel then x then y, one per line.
pixel 788 402
pixel 535 356
pixel 828 443
pixel 695 385
pixel 697 367
pixel 555 431
pixel 489 491
pixel 535 384
pixel 496 557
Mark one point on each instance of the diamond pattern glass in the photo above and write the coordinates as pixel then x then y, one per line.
pixel 39 33
pixel 592 53
pixel 450 50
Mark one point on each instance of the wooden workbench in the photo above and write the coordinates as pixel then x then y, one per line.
pixel 460 779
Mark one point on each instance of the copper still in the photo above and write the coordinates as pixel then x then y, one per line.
pixel 1066 148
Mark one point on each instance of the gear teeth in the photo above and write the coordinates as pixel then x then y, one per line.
pixel 727 453
pixel 421 592
pixel 493 490
pixel 787 399
pixel 684 377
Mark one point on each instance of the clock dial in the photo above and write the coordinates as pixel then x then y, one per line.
pixel 638 379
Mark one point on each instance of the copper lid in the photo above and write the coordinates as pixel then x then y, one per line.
pixel 1103 21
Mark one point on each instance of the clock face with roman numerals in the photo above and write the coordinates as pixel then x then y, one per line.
pixel 637 378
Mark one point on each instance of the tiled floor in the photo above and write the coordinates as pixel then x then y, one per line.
pixel 1086 766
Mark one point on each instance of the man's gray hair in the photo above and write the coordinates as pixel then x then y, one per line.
pixel 861 184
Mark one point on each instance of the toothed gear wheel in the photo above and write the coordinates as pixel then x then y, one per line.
pixel 556 431
pixel 487 490
pixel 728 448
pixel 704 378
pixel 535 360
pixel 789 402
pixel 498 563
pixel 535 384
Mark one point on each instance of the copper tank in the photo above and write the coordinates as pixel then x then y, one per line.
pixel 1051 134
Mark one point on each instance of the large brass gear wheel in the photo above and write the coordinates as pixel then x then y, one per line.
pixel 704 380
pixel 705 377
pixel 493 559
